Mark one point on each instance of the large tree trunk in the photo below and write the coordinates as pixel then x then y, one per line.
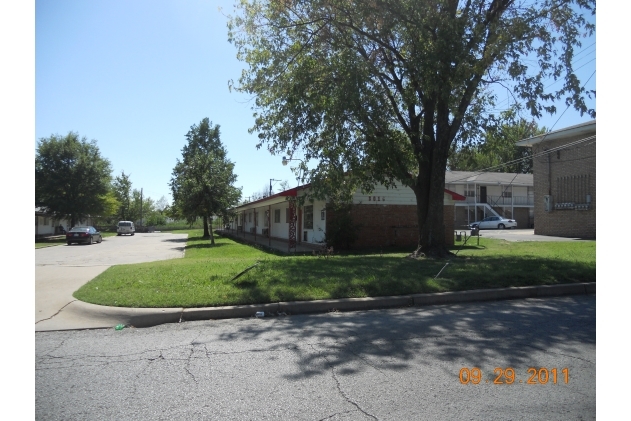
pixel 206 232
pixel 429 191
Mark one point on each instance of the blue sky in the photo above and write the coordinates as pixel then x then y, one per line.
pixel 135 77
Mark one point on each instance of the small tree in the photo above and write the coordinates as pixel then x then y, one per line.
pixel 72 179
pixel 121 187
pixel 202 182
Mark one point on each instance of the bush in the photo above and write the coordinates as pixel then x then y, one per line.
pixel 341 232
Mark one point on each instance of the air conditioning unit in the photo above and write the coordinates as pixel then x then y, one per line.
pixel 547 203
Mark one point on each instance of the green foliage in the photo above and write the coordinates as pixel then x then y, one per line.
pixel 111 206
pixel 496 150
pixel 134 206
pixel 202 183
pixel 204 277
pixel 72 179
pixel 377 92
pixel 341 231
pixel 121 187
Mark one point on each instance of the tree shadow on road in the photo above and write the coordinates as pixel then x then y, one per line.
pixel 475 335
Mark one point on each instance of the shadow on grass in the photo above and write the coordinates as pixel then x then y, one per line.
pixel 299 279
pixel 484 335
pixel 205 245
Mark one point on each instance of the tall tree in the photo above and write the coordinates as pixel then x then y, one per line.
pixel 377 91
pixel 122 189
pixel 202 182
pixel 72 179
pixel 496 150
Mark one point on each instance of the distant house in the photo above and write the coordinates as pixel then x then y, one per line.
pixel 387 217
pixel 46 225
pixel 509 195
pixel 564 169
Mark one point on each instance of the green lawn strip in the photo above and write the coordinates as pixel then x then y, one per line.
pixel 45 242
pixel 204 277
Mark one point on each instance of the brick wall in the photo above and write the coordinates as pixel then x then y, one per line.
pixel 391 225
pixel 567 175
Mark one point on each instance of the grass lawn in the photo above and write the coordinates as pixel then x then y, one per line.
pixel 204 277
pixel 45 242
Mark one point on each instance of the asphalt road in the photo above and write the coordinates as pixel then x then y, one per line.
pixel 399 364
pixel 61 270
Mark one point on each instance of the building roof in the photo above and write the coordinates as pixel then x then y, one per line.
pixel 275 198
pixel 583 129
pixel 280 197
pixel 492 178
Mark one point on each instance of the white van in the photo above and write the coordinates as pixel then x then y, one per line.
pixel 125 227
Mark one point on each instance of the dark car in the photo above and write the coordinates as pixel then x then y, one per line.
pixel 86 235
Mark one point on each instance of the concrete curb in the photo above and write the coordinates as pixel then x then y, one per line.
pixel 372 303
pixel 96 316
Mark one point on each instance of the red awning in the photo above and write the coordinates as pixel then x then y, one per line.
pixel 455 196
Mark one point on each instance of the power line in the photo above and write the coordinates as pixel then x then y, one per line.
pixel 542 153
pixel 499 104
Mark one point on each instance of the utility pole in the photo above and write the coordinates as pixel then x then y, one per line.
pixel 270 185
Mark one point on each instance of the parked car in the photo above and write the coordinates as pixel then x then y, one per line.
pixel 125 227
pixel 87 235
pixel 494 222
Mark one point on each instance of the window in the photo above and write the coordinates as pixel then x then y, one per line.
pixel 322 215
pixel 287 215
pixel 249 217
pixel 309 217
pixel 506 193
pixel 276 216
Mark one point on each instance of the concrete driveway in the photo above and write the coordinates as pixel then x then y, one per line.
pixel 520 235
pixel 61 270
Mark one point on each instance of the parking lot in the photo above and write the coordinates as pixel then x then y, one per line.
pixel 61 270
pixel 518 235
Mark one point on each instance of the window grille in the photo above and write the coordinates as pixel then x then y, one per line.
pixel 573 192
pixel 309 217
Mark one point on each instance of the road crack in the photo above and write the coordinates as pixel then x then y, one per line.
pixel 188 364
pixel 339 386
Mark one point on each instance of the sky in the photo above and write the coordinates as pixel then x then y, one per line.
pixel 136 77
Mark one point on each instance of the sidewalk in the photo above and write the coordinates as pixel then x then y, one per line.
pixel 80 315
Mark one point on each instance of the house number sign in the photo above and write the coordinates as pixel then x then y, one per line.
pixel 376 198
